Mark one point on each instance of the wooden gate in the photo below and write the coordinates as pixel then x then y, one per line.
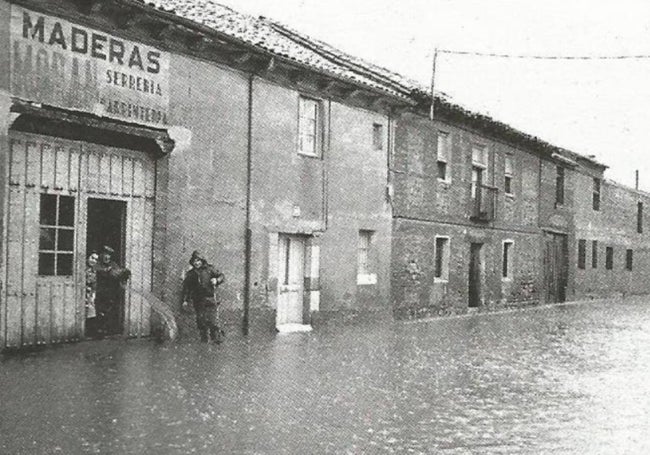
pixel 556 267
pixel 50 181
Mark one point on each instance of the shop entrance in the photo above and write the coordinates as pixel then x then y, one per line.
pixel 106 226
pixel 65 199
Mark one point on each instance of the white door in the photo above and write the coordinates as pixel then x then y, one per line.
pixel 291 279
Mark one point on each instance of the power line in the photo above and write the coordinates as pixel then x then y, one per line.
pixel 547 57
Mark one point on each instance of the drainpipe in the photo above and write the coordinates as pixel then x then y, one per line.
pixel 248 233
pixel 325 157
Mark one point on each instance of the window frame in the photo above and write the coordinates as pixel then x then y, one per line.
pixel 57 227
pixel 560 183
pixel 507 248
pixel 609 258
pixel 508 175
pixel 365 274
pixel 441 260
pixel 596 194
pixel 378 136
pixel 629 259
pixel 443 142
pixel 318 126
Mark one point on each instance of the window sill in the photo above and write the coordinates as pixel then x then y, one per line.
pixel 506 280
pixel 444 182
pixel 366 279
pixel 308 155
pixel 441 280
pixel 511 196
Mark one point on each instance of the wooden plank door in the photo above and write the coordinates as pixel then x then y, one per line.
pixel 475 267
pixel 41 303
pixel 292 274
pixel 555 267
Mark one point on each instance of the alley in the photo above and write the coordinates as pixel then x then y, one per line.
pixel 565 379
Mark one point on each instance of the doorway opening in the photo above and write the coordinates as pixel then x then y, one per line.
pixel 290 308
pixel 106 226
pixel 556 266
pixel 475 266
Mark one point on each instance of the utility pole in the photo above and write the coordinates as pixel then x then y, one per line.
pixel 433 85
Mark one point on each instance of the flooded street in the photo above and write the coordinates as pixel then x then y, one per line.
pixel 564 379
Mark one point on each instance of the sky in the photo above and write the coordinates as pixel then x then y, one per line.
pixel 595 107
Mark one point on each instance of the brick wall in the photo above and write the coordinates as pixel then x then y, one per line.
pixel 615 226
pixel 426 207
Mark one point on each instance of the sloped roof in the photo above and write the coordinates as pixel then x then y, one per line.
pixel 285 42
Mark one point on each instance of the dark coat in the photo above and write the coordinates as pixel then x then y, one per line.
pixel 110 278
pixel 197 287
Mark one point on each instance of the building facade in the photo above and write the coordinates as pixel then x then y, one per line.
pixel 484 215
pixel 314 180
pixel 158 132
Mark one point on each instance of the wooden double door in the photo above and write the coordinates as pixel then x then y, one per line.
pixel 66 199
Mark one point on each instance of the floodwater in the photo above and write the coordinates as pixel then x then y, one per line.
pixel 571 379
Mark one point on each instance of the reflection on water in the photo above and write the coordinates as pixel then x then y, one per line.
pixel 566 379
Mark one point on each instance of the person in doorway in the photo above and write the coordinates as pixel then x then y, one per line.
pixel 111 278
pixel 200 288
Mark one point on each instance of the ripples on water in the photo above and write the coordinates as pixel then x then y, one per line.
pixel 565 379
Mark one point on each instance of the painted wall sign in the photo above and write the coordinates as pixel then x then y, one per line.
pixel 56 62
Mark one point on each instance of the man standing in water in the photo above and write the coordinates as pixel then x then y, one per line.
pixel 199 287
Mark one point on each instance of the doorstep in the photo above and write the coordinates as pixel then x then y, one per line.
pixel 293 328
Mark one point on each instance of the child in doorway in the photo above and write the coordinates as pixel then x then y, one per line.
pixel 91 285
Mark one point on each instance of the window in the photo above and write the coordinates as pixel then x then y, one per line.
pixel 628 259
pixel 639 217
pixel 308 126
pixel 479 167
pixel 559 186
pixel 441 271
pixel 363 256
pixel 609 258
pixel 378 136
pixel 595 197
pixel 507 259
pixel 444 156
pixel 56 236
pixel 594 254
pixel 582 252
pixel 508 174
